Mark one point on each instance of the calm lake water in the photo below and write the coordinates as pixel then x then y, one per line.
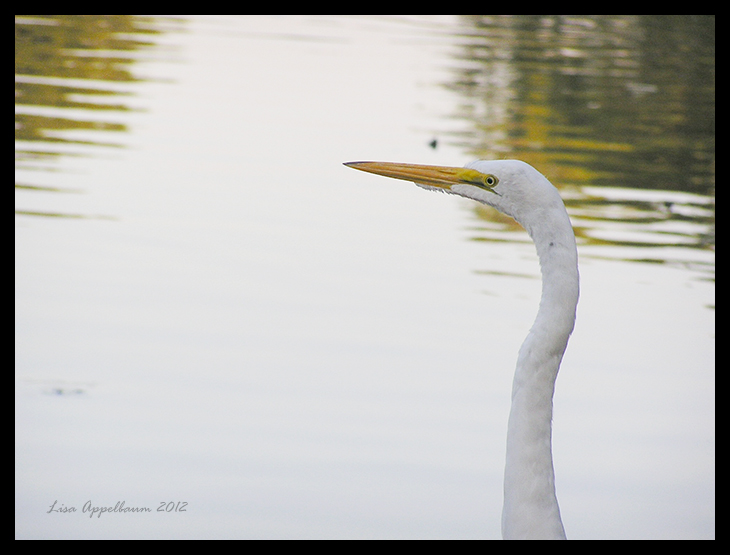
pixel 217 319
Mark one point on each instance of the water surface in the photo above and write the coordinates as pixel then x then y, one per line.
pixel 211 309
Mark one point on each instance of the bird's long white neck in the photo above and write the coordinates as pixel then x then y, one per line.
pixel 530 505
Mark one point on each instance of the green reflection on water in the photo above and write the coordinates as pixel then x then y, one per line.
pixel 67 75
pixel 617 103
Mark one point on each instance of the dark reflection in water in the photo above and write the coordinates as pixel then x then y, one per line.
pixel 619 102
pixel 68 72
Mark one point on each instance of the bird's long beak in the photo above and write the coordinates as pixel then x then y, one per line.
pixel 440 177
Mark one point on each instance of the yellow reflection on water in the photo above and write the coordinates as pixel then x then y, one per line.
pixel 615 103
pixel 68 72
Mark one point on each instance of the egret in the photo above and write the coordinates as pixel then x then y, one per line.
pixel 515 188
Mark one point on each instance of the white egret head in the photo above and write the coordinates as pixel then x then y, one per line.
pixel 511 186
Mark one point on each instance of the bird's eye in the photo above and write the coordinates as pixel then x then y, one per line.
pixel 490 180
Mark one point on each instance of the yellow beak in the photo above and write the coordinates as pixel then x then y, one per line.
pixel 441 177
